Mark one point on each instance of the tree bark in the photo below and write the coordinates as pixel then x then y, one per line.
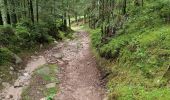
pixel 124 7
pixel 69 20
pixel 76 18
pixel 3 12
pixel 65 20
pixel 12 12
pixel 31 10
pixel 37 14
pixel 1 22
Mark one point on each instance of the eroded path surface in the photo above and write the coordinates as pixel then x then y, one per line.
pixel 79 75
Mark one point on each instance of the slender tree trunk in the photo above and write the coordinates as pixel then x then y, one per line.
pixel 24 14
pixel 124 7
pixel 65 20
pixel 136 2
pixel 3 12
pixel 31 11
pixel 84 18
pixel 142 2
pixel 69 20
pixel 7 4
pixel 76 18
pixel 37 14
pixel 12 12
pixel 1 22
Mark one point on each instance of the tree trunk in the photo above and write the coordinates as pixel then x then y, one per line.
pixel 12 12
pixel 142 2
pixel 3 12
pixel 76 18
pixel 37 14
pixel 1 22
pixel 84 18
pixel 69 20
pixel 65 20
pixel 124 7
pixel 31 11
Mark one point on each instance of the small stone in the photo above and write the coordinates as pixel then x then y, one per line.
pixel 38 92
pixel 88 63
pixel 60 62
pixel 9 96
pixel 11 73
pixel 41 46
pixel 43 99
pixel 18 84
pixel 5 84
pixel 26 74
pixel 11 68
pixel 36 52
pixel 51 85
pixel 56 42
pixel 58 56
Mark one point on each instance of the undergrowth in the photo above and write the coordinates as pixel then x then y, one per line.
pixel 138 55
pixel 23 40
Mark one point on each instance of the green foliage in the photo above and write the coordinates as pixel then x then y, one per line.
pixel 35 34
pixel 140 50
pixel 25 37
pixel 47 75
pixel 96 38
pixel 5 56
pixel 130 92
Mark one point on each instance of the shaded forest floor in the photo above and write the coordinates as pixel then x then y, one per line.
pixel 68 69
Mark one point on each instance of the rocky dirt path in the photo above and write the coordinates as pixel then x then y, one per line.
pixel 79 76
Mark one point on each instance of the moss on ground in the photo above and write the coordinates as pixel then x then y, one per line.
pixel 37 89
pixel 137 72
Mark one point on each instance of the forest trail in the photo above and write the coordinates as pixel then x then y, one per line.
pixel 80 78
pixel 78 75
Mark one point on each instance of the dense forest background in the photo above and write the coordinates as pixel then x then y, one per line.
pixel 132 36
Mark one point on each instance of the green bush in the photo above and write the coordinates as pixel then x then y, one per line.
pixel 5 56
pixel 30 35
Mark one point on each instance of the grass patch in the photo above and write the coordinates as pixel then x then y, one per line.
pixel 38 88
pixel 137 72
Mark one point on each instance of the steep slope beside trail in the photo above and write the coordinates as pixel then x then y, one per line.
pixel 80 78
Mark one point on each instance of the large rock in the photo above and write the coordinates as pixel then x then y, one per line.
pixel 18 60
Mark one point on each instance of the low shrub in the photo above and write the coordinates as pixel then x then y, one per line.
pixel 5 56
